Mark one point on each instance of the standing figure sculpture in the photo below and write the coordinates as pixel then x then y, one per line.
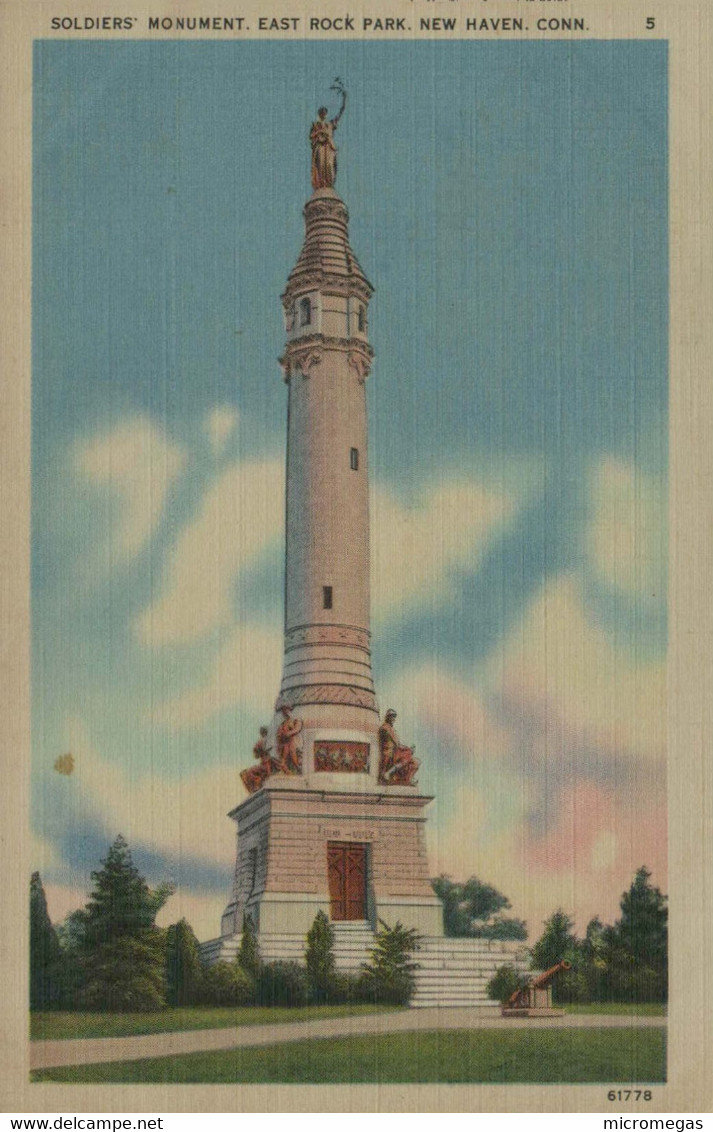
pixel 324 151
pixel 397 766
pixel 289 753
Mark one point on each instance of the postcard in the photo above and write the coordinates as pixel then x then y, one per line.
pixel 356 452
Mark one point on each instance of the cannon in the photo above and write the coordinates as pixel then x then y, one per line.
pixel 535 1000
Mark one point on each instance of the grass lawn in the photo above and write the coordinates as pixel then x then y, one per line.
pixel 650 1009
pixel 450 1056
pixel 65 1024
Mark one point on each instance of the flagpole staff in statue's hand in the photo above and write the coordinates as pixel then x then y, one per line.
pixel 338 85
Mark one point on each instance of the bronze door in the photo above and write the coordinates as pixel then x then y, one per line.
pixel 346 864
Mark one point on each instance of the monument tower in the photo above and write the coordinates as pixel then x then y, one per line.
pixel 334 819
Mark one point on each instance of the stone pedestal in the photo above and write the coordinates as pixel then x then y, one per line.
pixel 357 854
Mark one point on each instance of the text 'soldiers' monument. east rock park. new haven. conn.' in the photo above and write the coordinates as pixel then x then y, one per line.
pixel 335 819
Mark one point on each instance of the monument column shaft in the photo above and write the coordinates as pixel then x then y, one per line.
pixel 327 358
pixel 327 513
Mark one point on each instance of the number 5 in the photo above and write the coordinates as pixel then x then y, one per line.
pixel 650 22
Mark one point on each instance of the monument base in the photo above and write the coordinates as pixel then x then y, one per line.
pixel 357 854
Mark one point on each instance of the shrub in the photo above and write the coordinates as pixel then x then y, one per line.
pixel 282 984
pixel 319 958
pixel 249 952
pixel 571 986
pixel 227 984
pixel 390 977
pixel 184 970
pixel 504 983
pixel 348 987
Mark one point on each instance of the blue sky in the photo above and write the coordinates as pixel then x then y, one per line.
pixel 509 203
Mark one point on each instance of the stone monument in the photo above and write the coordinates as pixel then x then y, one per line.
pixel 335 818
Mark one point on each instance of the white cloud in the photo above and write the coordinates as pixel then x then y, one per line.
pixel 604 850
pixel 451 707
pixel 43 855
pixel 202 911
pixel 219 426
pixel 240 515
pixel 176 815
pixel 62 899
pixel 560 667
pixel 417 549
pixel 246 670
pixel 137 464
pixel 626 536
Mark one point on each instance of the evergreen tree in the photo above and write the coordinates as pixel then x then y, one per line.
pixel 123 952
pixel 249 952
pixel 557 942
pixel 184 970
pixel 390 977
pixel 637 945
pixel 319 957
pixel 594 959
pixel 643 927
pixel 45 952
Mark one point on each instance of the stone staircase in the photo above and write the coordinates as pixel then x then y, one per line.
pixel 451 972
pixel 353 941
pixel 456 972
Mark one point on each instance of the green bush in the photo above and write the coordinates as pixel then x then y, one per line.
pixel 504 983
pixel 184 970
pixel 282 984
pixel 249 952
pixel 227 984
pixel 319 957
pixel 348 987
pixel 390 977
pixel 571 986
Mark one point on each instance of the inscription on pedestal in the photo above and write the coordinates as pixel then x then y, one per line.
pixel 348 833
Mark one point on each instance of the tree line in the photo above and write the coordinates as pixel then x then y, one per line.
pixel 111 955
pixel 626 961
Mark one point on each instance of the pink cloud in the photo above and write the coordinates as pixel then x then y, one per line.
pixel 591 852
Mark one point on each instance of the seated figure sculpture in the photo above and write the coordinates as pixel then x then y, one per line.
pixel 397 766
pixel 254 776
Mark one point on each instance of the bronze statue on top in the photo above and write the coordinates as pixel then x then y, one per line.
pixel 324 151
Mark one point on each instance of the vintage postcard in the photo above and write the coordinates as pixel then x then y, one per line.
pixel 356 449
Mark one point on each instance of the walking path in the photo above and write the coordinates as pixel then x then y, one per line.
pixel 85 1051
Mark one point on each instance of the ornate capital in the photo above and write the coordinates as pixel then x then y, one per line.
pixel 303 360
pixel 360 362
